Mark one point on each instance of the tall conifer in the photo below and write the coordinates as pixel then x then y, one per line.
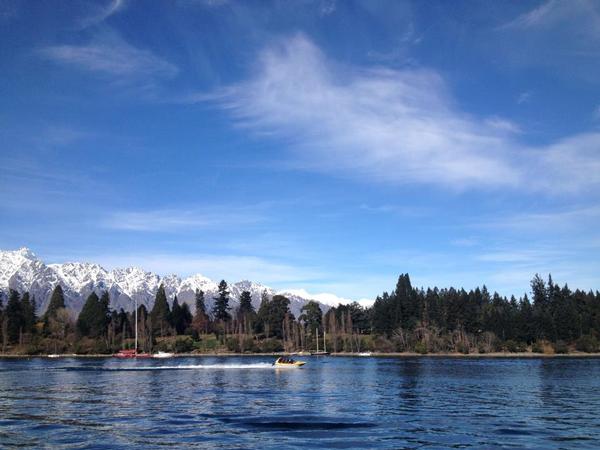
pixel 160 314
pixel 221 307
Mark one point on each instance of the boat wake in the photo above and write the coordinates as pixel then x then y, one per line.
pixel 200 367
pixel 171 367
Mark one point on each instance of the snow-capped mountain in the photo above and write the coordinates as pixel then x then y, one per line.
pixel 23 271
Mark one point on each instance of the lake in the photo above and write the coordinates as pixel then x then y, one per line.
pixel 332 402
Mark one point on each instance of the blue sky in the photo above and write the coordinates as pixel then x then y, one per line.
pixel 323 145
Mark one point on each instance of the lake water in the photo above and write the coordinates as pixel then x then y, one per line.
pixel 332 402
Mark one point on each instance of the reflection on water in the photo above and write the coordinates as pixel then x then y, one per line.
pixel 244 402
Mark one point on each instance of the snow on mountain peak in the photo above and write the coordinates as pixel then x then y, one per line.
pixel 324 298
pixel 14 261
pixel 23 271
pixel 25 253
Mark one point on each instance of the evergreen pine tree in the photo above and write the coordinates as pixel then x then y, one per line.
pixel 245 304
pixel 200 321
pixel 199 299
pixel 57 301
pixel 278 307
pixel 262 325
pixel 221 307
pixel 246 315
pixel 160 314
pixel 312 316
pixel 14 315
pixel 382 315
pixel 29 318
pixel 177 317
pixel 186 318
pixel 87 316
pixel 105 314
pixel 94 317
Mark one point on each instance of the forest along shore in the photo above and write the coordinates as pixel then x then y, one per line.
pixel 404 321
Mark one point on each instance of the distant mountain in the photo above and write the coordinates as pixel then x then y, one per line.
pixel 23 271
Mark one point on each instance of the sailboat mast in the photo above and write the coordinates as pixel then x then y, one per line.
pixel 317 329
pixel 324 342
pixel 136 332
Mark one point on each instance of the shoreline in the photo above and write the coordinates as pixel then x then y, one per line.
pixel 505 355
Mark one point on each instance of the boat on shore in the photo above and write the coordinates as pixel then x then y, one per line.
pixel 365 354
pixel 323 352
pixel 161 355
pixel 131 354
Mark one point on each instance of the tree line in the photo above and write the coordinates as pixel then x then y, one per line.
pixel 407 319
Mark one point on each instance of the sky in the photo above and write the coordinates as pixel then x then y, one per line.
pixel 321 145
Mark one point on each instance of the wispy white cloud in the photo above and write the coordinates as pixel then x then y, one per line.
pixel 464 242
pixel 327 7
pixel 502 124
pixel 555 12
pixel 520 256
pixel 524 97
pixel 400 52
pixel 395 126
pixel 561 35
pixel 61 135
pixel 110 55
pixel 400 210
pixel 174 220
pixel 565 219
pixel 216 266
pixel 209 3
pixel 572 162
pixel 101 12
pixel 543 15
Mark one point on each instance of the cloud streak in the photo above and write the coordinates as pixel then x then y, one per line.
pixel 394 126
pixel 215 266
pixel 101 13
pixel 554 13
pixel 174 220
pixel 112 56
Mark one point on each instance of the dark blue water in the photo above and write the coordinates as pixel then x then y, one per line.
pixel 243 402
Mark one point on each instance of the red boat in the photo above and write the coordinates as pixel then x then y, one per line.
pixel 131 354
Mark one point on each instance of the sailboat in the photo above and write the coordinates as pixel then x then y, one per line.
pixel 324 352
pixel 133 353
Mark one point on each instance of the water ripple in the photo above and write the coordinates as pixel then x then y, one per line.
pixel 330 403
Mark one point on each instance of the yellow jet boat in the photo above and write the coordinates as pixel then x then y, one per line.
pixel 287 362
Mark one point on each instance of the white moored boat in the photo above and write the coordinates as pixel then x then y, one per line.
pixel 163 355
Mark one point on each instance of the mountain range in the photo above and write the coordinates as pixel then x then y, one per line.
pixel 23 271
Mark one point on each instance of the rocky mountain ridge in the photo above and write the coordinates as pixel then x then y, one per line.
pixel 23 271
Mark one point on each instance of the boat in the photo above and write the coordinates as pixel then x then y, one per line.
pixel 287 362
pixel 365 354
pixel 133 353
pixel 163 355
pixel 53 355
pixel 324 352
